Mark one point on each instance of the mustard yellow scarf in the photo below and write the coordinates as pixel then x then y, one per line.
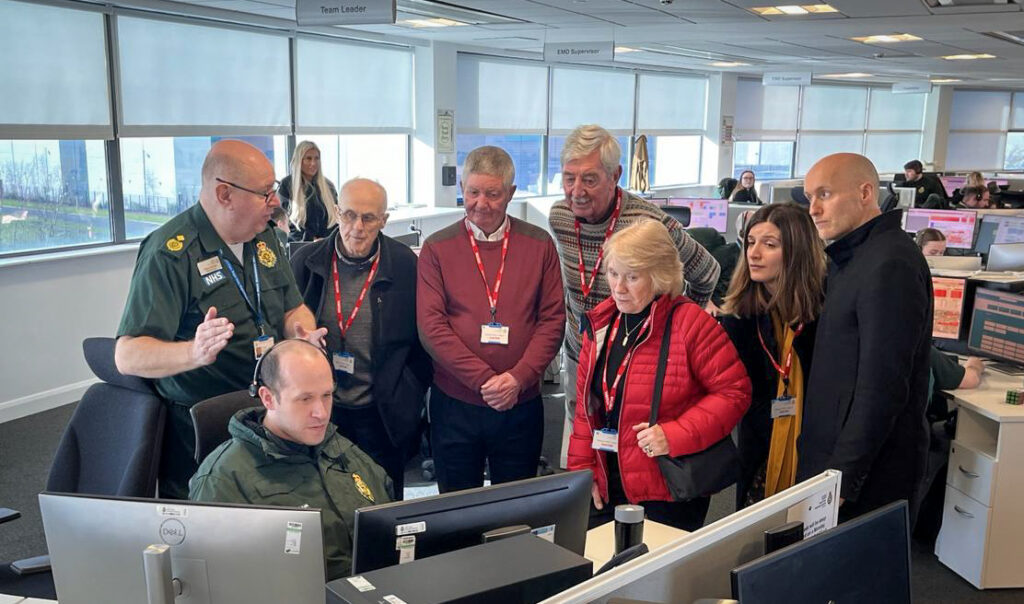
pixel 780 472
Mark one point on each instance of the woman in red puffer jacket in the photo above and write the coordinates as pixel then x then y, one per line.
pixel 705 393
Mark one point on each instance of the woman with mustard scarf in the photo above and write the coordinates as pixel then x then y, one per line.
pixel 770 311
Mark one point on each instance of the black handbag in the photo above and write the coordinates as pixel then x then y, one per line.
pixel 698 474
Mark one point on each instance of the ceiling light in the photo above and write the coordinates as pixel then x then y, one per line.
pixel 729 64
pixel 623 49
pixel 887 38
pixel 855 74
pixel 968 57
pixel 434 22
pixel 944 80
pixel 794 9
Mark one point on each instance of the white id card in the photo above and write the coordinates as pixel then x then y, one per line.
pixel 494 333
pixel 261 346
pixel 606 440
pixel 783 406
pixel 344 362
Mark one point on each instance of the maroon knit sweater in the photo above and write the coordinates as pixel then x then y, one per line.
pixel 451 305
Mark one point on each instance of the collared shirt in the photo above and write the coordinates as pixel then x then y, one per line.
pixel 495 236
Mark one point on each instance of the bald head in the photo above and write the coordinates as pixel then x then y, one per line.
pixel 843 191
pixel 364 191
pixel 236 180
pixel 298 392
pixel 275 370
pixel 232 160
pixel 362 213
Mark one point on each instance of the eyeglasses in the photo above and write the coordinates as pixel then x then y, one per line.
pixel 369 220
pixel 266 195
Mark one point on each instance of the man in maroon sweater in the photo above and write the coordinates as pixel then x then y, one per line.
pixel 489 305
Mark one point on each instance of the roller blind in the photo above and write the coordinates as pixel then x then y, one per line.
pixel 501 96
pixel 833 108
pixel 181 79
pixel 589 96
pixel 669 104
pixel 352 87
pixel 53 67
pixel 979 110
pixel 760 107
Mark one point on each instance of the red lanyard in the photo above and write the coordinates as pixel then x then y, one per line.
pixel 492 298
pixel 362 294
pixel 609 393
pixel 783 370
pixel 584 285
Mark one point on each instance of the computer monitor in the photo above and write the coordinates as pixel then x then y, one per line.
pixel 864 560
pixel 713 213
pixel 222 554
pixel 956 225
pixel 555 507
pixel 1005 257
pixel 906 196
pixel 998 228
pixel 949 307
pixel 997 325
pixel 952 183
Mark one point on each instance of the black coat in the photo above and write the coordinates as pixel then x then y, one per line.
pixel 755 429
pixel 864 413
pixel 401 370
pixel 316 210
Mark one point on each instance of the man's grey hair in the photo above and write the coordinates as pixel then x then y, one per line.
pixel 491 161
pixel 588 138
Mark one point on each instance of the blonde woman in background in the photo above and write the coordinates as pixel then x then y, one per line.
pixel 307 196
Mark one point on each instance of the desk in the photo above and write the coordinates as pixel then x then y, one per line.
pixel 601 540
pixel 982 535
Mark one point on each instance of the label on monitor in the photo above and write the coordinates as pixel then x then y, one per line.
pixel 293 538
pixel 393 600
pixel 172 511
pixel 546 533
pixel 411 529
pixel 361 583
pixel 406 547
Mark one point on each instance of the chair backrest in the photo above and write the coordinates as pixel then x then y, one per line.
pixel 211 417
pixel 680 213
pixel 112 444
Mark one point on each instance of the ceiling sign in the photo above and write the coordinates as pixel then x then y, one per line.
pixel 579 52
pixel 786 78
pixel 344 12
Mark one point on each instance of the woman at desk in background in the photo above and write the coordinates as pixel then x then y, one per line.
pixel 770 313
pixel 744 191
pixel 931 242
pixel 705 391
pixel 306 195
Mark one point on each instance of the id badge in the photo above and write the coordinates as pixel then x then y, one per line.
pixel 261 346
pixel 344 362
pixel 494 333
pixel 606 439
pixel 784 406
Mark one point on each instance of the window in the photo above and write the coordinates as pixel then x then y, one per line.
pixel 979 121
pixel 161 177
pixel 769 160
pixel 52 193
pixel 1014 151
pixel 524 149
pixel 555 144
pixel 380 157
pixel 592 96
pixel 674 160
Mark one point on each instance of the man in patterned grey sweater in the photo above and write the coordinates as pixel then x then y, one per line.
pixel 594 207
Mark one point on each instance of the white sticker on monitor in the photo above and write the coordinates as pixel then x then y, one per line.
pixel 819 512
pixel 293 538
pixel 546 533
pixel 411 529
pixel 406 546
pixel 361 583
pixel 393 599
pixel 172 511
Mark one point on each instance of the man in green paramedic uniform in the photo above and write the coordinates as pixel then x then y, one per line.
pixel 288 453
pixel 212 290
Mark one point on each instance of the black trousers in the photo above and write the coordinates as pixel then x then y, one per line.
pixel 364 427
pixel 177 460
pixel 686 515
pixel 464 437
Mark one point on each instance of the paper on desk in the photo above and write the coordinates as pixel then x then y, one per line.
pixel 819 512
pixel 953 272
pixel 1000 277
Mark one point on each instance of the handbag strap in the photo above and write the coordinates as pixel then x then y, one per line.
pixel 659 377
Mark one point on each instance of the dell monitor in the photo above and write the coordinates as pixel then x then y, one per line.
pixel 952 183
pixel 555 507
pixel 864 560
pixel 998 228
pixel 905 197
pixel 220 553
pixel 1005 257
pixel 956 225
pixel 713 213
pixel 997 325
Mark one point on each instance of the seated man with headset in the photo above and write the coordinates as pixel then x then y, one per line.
pixel 288 453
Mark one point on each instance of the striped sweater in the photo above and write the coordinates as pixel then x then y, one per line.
pixel 700 270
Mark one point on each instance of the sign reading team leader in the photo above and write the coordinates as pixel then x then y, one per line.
pixel 579 52
pixel 344 12
pixel 786 78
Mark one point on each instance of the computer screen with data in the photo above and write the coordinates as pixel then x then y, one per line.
pixel 997 325
pixel 949 307
pixel 952 183
pixel 995 228
pixel 712 213
pixel 956 225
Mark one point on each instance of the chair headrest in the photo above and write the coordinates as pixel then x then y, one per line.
pixel 99 354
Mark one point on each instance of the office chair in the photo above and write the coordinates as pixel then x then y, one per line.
pixel 680 213
pixel 111 446
pixel 210 419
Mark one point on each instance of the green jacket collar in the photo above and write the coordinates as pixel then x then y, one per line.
pixel 208 236
pixel 247 426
